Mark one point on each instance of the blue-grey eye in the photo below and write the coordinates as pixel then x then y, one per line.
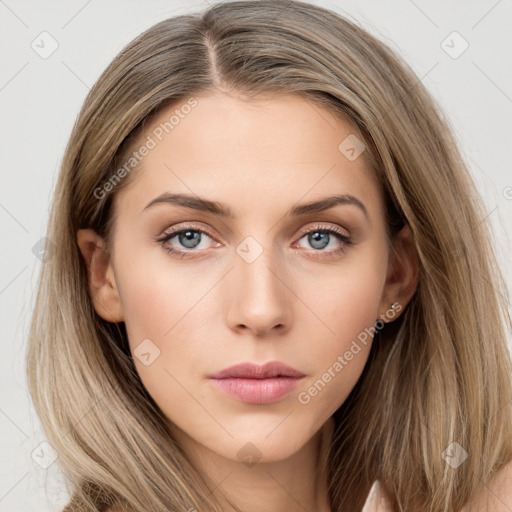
pixel 318 240
pixel 189 239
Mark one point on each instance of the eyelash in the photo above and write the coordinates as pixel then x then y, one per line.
pixel 346 240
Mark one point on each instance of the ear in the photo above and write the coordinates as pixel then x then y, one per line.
pixel 102 283
pixel 402 276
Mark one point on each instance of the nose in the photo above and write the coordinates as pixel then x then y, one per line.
pixel 260 301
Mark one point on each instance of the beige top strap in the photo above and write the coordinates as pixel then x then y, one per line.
pixel 377 500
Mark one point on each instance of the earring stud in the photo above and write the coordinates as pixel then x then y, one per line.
pixel 393 307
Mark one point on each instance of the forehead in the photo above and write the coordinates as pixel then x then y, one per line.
pixel 240 150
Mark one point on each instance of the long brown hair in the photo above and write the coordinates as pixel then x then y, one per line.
pixel 440 374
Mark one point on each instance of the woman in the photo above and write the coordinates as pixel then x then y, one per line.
pixel 272 286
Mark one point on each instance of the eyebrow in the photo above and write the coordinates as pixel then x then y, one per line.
pixel 222 210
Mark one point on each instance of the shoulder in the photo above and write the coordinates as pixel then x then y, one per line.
pixel 496 496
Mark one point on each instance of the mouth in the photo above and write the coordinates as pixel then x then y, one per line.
pixel 258 384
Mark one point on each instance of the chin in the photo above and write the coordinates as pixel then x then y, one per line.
pixel 264 443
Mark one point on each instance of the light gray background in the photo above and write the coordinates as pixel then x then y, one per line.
pixel 40 98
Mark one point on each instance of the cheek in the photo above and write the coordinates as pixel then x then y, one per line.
pixel 346 298
pixel 166 310
pixel 348 306
pixel 157 295
pixel 176 313
pixel 151 307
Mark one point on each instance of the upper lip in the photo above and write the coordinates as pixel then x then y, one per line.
pixel 255 371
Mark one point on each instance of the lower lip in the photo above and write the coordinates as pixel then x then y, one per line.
pixel 258 391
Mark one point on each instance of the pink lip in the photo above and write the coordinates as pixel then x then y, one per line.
pixel 258 384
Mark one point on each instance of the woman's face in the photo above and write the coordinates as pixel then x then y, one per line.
pixel 268 279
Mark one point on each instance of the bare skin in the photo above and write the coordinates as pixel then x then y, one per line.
pixel 298 301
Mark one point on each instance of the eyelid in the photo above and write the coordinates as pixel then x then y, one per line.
pixel 320 227
pixel 187 226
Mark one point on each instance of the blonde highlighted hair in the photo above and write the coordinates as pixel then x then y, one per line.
pixel 441 373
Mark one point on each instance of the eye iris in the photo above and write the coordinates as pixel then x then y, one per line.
pixel 317 239
pixel 189 237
